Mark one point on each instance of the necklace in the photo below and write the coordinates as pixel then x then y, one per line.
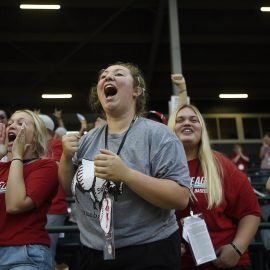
pixel 29 160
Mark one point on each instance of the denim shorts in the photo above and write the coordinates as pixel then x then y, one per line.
pixel 26 257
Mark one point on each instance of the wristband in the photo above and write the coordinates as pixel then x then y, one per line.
pixel 17 159
pixel 236 249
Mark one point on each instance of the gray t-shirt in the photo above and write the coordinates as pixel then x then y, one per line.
pixel 150 148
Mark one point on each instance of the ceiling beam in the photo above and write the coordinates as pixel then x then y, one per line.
pixel 185 4
pixel 92 67
pixel 126 38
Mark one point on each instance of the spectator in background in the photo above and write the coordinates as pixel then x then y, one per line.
pixel 57 212
pixel 265 152
pixel 220 194
pixel 157 116
pixel 239 158
pixel 58 116
pixel 59 133
pixel 100 122
pixel 267 185
pixel 27 186
pixel 4 117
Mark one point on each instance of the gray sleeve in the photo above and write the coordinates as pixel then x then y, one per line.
pixel 170 163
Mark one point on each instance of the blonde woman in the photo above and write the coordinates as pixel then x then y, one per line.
pixel 221 192
pixel 27 186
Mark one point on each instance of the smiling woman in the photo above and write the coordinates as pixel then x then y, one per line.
pixel 131 175
pixel 220 191
pixel 28 184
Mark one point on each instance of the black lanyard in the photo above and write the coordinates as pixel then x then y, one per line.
pixel 123 140
pixel 117 188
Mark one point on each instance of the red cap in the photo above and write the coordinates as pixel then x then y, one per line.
pixel 159 116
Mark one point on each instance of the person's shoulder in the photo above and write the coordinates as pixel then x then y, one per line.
pixel 153 125
pixel 228 168
pixel 224 161
pixel 45 161
pixel 156 132
pixel 92 132
pixel 55 141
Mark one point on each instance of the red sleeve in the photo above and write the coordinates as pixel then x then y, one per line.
pixel 239 194
pixel 41 180
pixel 56 149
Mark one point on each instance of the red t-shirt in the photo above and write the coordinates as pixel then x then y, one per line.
pixel 41 184
pixel 59 205
pixel 221 221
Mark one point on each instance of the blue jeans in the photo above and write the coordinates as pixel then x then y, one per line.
pixel 26 257
pixel 55 220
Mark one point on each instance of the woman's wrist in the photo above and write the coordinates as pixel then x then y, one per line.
pixel 182 90
pixel 18 159
pixel 237 250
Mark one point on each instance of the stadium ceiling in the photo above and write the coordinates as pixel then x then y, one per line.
pixel 224 48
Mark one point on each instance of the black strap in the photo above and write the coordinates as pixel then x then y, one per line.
pixel 123 140
pixel 116 188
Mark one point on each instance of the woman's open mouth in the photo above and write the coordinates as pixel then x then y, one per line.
pixel 110 91
pixel 11 136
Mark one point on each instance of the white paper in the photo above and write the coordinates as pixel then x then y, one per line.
pixel 196 234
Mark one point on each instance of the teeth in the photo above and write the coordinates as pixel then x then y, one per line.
pixel 110 90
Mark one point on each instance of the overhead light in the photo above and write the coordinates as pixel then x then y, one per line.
pixel 30 6
pixel 56 96
pixel 265 9
pixel 233 95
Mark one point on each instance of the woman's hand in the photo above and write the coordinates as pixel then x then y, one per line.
pixel 19 146
pixel 183 249
pixel 179 81
pixel 110 166
pixel 70 144
pixel 226 257
pixel 3 146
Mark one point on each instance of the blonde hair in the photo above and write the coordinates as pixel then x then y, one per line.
pixel 211 168
pixel 40 133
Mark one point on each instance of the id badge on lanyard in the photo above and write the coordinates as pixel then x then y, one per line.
pixel 106 223
pixel 106 212
pixel 196 235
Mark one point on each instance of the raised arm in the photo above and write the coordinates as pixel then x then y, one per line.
pixel 66 169
pixel 58 116
pixel 179 81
